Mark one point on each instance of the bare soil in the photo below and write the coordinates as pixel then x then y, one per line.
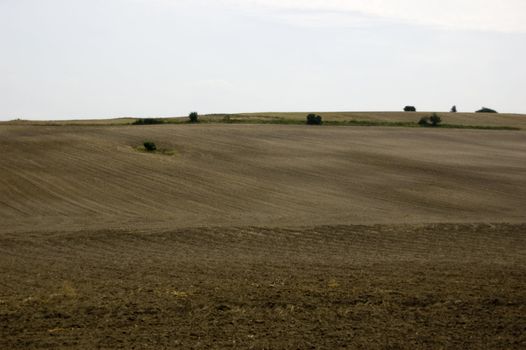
pixel 75 177
pixel 371 287
pixel 262 237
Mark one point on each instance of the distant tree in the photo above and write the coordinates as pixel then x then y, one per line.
pixel 454 109
pixel 486 110
pixel 435 119
pixel 313 119
pixel 194 117
pixel 150 146
pixel 409 109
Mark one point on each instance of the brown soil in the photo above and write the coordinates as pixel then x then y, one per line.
pixel 262 237
pixel 73 177
pixel 362 287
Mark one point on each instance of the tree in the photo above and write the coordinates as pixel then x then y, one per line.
pixel 194 117
pixel 486 110
pixel 409 109
pixel 313 119
pixel 435 119
pixel 454 109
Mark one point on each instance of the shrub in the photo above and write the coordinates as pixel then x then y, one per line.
pixel 409 109
pixel 486 110
pixel 435 119
pixel 454 109
pixel 424 121
pixel 150 146
pixel 194 117
pixel 313 119
pixel 148 121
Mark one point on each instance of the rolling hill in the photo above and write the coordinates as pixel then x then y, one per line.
pixel 260 236
pixel 238 175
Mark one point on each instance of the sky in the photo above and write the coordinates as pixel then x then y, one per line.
pixel 73 59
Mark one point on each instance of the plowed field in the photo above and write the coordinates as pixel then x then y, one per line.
pixel 263 237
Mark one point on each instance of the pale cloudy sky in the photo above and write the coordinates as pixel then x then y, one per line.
pixel 109 58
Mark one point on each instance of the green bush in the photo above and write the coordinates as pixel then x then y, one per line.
pixel 150 146
pixel 435 119
pixel 148 121
pixel 424 121
pixel 313 119
pixel 194 117
pixel 486 110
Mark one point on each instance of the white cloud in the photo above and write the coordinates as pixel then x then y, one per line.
pixel 485 15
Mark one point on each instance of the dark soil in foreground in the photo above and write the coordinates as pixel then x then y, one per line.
pixel 361 287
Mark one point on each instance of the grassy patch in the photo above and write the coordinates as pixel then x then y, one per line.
pixel 350 122
pixel 280 120
pixel 354 122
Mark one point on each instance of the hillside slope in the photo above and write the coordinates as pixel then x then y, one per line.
pixel 252 236
pixel 73 177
